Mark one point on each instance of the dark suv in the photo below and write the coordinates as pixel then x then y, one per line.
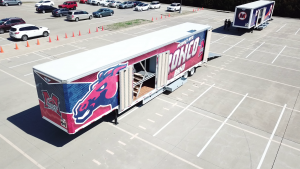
pixel 7 23
pixel 60 12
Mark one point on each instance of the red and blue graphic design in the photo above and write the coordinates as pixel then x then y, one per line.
pixel 103 92
pixel 52 102
pixel 267 16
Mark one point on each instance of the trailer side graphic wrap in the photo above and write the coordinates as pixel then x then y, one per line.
pixel 269 10
pixel 51 99
pixel 242 17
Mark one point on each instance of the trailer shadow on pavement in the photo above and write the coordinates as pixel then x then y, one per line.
pixel 30 121
pixel 231 31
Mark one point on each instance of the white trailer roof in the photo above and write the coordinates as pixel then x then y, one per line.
pixel 254 4
pixel 79 65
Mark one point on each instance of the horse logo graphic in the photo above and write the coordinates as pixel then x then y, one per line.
pixel 102 93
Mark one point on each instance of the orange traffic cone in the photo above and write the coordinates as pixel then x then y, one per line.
pixel 17 48
pixel 202 8
pixel 73 35
pixel 89 31
pixel 193 10
pixel 50 40
pixel 38 42
pixel 1 50
pixel 161 17
pixel 156 18
pixel 57 38
pixel 79 34
pixel 169 15
pixel 28 44
pixel 102 28
pixel 66 36
pixel 96 29
pixel 152 19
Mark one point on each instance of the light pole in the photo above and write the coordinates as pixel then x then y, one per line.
pixel 180 7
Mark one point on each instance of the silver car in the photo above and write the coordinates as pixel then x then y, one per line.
pixel 76 15
pixel 114 4
pixel 10 2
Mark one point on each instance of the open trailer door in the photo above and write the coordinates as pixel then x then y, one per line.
pixel 162 69
pixel 125 88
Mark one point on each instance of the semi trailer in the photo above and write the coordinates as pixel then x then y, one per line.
pixel 253 15
pixel 77 90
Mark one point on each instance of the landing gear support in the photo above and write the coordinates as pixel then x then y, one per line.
pixel 116 116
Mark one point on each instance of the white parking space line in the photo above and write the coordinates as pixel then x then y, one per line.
pixel 255 50
pixel 151 120
pixel 28 74
pixel 184 94
pixel 233 45
pixel 122 143
pixel 190 90
pixel 110 152
pixel 157 147
pixel 17 78
pixel 219 39
pixel 158 114
pixel 297 31
pixel 142 127
pixel 126 114
pixel 26 63
pixel 183 110
pixel 97 162
pixel 178 98
pixel 150 29
pixel 224 122
pixel 280 28
pixel 278 54
pixel 22 152
pixel 166 109
pixel 133 136
pixel 257 77
pixel 271 138
pixel 234 125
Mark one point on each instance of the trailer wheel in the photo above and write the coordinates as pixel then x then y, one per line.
pixel 192 71
pixel 185 75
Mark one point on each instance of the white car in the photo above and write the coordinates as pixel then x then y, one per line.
pixel 25 31
pixel 44 3
pixel 97 2
pixel 155 5
pixel 174 7
pixel 142 7
pixel 106 3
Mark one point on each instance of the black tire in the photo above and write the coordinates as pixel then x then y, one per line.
pixel 19 4
pixel 44 12
pixel 6 4
pixel 111 14
pixel 1 31
pixel 185 75
pixel 74 8
pixel 51 5
pixel 98 4
pixel 24 38
pixel 90 17
pixel 100 16
pixel 60 15
pixel 192 71
pixel 76 19
pixel 45 34
pixel 85 2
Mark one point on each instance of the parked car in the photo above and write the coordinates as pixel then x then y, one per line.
pixel 103 12
pixel 114 4
pixel 76 15
pixel 83 1
pixel 44 3
pixel 125 5
pixel 60 12
pixel 135 3
pixel 155 5
pixel 44 9
pixel 97 2
pixel 7 23
pixel 106 3
pixel 10 2
pixel 142 7
pixel 69 5
pixel 174 7
pixel 25 31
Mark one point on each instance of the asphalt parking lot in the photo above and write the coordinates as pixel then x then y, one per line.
pixel 241 110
